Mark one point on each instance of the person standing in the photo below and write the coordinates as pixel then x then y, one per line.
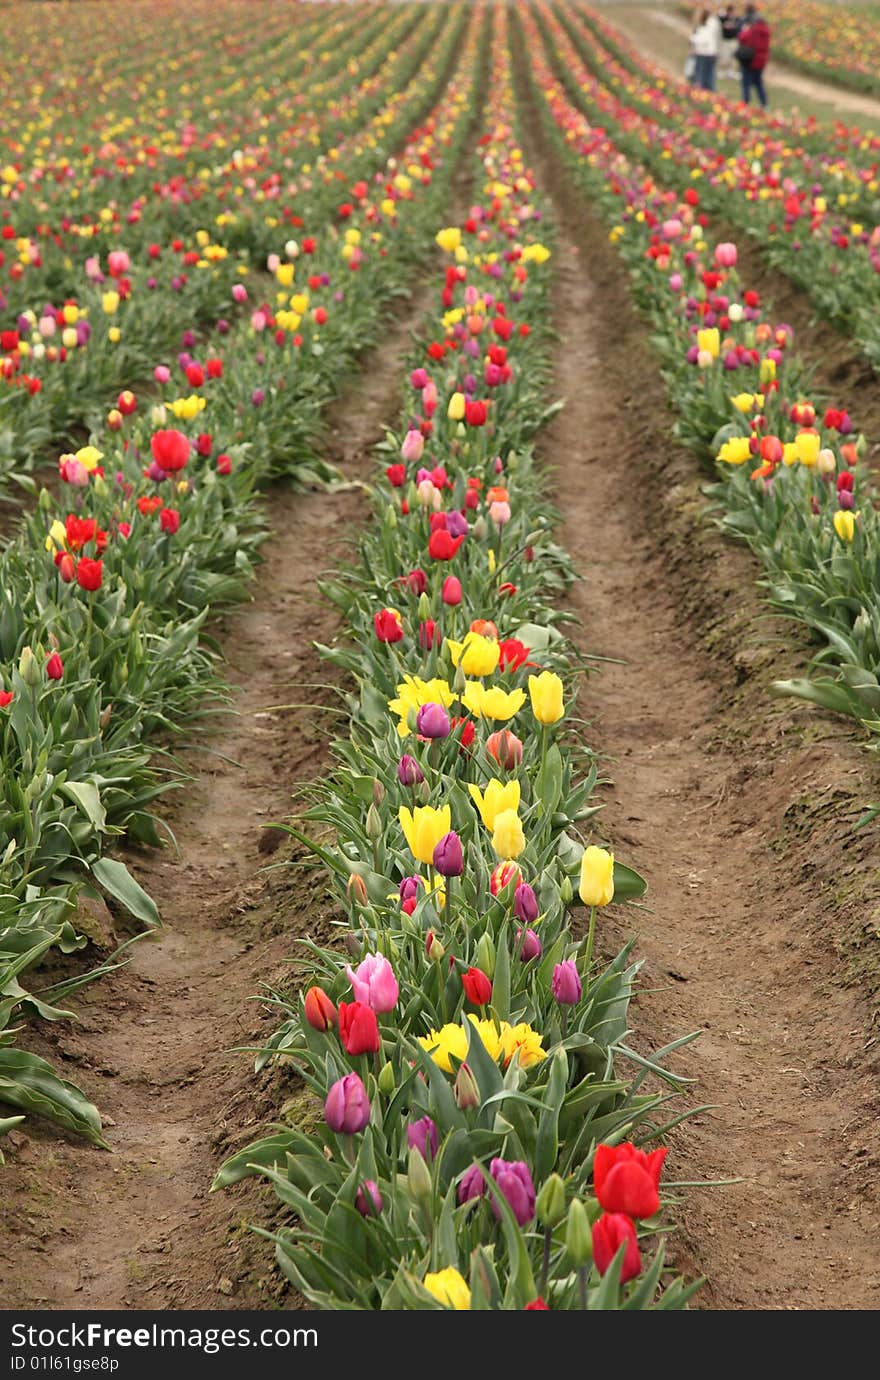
pixel 706 41
pixel 730 27
pixel 752 54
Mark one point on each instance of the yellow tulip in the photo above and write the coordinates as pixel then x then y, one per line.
pixel 423 828
pixel 284 273
pixel 522 1040
pixel 709 341
pixel 476 655
pixel 499 796
pixel 89 457
pixel 508 838
pixel 597 876
pixel 494 703
pixel 449 1287
pixel 768 370
pixel 735 451
pixel 455 410
pixel 545 691
pixel 808 444
pixel 789 454
pixel 844 524
pixel 110 303
pixel 449 239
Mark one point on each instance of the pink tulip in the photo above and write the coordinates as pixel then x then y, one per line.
pixel 374 983
pixel 239 292
pixel 725 255
pixel 413 445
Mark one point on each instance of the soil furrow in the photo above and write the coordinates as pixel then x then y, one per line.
pixel 737 938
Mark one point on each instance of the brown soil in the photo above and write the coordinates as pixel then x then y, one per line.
pixel 737 808
pixel 155 1044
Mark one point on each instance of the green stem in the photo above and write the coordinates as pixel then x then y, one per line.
pixel 582 1287
pixel 545 1263
pixel 590 936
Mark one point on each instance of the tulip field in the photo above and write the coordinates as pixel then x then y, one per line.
pixel 429 1071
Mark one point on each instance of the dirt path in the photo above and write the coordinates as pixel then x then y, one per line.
pixel 137 1229
pixel 706 773
pixel 639 25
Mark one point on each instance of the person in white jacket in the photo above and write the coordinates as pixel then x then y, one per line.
pixel 706 45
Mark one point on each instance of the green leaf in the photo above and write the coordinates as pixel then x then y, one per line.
pixel 115 877
pixel 27 1081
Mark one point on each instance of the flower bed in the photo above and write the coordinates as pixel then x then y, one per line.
pixel 469 1129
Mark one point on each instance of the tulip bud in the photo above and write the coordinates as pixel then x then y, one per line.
pixel 373 825
pixel 466 1090
pixel 357 889
pixel 448 857
pixel 54 667
pixel 566 890
pixel 368 1199
pixel 424 608
pixel 578 1236
pixel 433 948
pixel 550 1203
pixel 485 954
pixel 386 1080
pixel 479 528
pixel 319 1010
pixel 114 419
pixel 418 1176
pixel 28 667
pixel 409 773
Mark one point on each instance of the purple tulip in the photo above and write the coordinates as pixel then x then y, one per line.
pixel 368 1200
pixel 528 945
pixel 223 326
pixel 515 1182
pixel 156 473
pixel 457 524
pixel 432 721
pixel 409 773
pixel 448 857
pixel 188 339
pixel 374 983
pixel 411 888
pixel 525 904
pixel 471 1185
pixel 347 1108
pixel 258 396
pixel 421 1135
pixel 567 983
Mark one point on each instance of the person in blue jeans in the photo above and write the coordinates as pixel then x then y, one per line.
pixel 752 53
pixel 706 45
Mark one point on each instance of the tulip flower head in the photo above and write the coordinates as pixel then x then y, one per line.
pixel 373 983
pixel 422 1136
pixel 626 1179
pixel 546 694
pixel 450 1288
pixel 611 1231
pixel 358 1028
pixel 597 877
pixel 566 983
pixel 368 1199
pixel 514 1180
pixel 347 1108
pixel 423 829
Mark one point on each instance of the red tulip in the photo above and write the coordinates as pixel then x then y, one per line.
pixel 416 581
pixel 66 566
pixel 387 626
pixel 513 654
pixel 609 1234
pixel 477 987
pixel 537 1305
pixel 195 375
pixel 358 1028
pixel 319 1009
pixel 204 444
pixel 170 450
pixel 475 413
pixel 89 574
pixel 396 475
pixel 442 547
pixel 169 520
pixel 626 1179
pixel 451 592
pixel 224 464
pixel 54 667
pixel 506 748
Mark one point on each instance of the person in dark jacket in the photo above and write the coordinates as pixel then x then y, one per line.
pixel 752 53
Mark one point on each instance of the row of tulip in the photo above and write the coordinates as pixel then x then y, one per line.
pixel 789 475
pixel 464 1133
pixel 809 199
pixel 105 593
pixel 83 324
